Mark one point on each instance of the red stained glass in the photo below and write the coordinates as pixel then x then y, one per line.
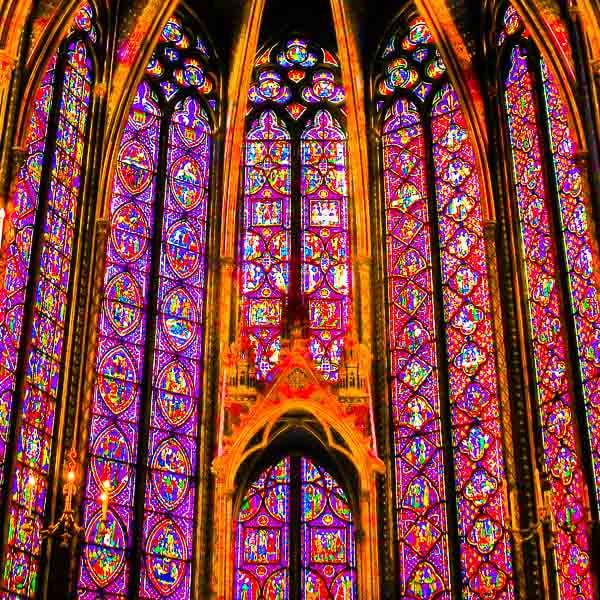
pixel 472 377
pixel 413 71
pixel 581 254
pixel 314 207
pixel 421 498
pixel 325 268
pixel 554 390
pixel 266 243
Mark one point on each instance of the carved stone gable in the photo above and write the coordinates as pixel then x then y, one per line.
pixel 296 381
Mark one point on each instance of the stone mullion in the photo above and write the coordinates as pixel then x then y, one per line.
pixel 491 231
pixel 88 380
pixel 380 391
pixel 210 371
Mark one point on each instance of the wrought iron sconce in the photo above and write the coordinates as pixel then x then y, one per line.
pixel 66 528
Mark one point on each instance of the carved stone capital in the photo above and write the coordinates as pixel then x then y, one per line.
pixel 19 154
pixel 227 263
pixel 100 90
pixel 102 226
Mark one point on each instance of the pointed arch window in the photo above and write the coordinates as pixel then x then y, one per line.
pixel 451 495
pixel 295 246
pixel 34 295
pixel 560 261
pixel 146 408
pixel 295 535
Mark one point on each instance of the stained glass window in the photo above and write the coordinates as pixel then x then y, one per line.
pixel 146 406
pixel 562 292
pixel 295 516
pixel 32 328
pixel 294 251
pixel 441 344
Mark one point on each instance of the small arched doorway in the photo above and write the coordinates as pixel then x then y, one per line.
pixel 295 535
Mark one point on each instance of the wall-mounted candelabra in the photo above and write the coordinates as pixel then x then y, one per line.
pixel 66 528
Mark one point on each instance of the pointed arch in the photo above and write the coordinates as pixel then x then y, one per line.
pixel 441 340
pixel 295 533
pixel 559 257
pixel 142 477
pixel 337 432
pixel 295 246
pixel 34 296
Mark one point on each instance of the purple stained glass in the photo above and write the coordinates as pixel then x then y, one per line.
pixel 411 67
pixel 262 555
pixel 266 242
pixel 44 350
pixel 120 355
pixel 422 525
pixel 325 240
pixel 323 525
pixel 18 253
pixel 170 218
pixel 177 370
pixel 555 395
pixel 328 554
pixel 295 242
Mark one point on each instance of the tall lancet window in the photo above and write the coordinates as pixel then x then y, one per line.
pixel 451 494
pixel 295 536
pixel 295 223
pixel 560 273
pixel 141 483
pixel 34 296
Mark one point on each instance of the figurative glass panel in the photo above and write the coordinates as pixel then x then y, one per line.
pixel 554 376
pixel 295 500
pixel 581 254
pixel 151 330
pixel 325 269
pixel 483 518
pixel 266 244
pixel 415 387
pixel 433 216
pixel 328 553
pixel 262 557
pixel 295 245
pixel 53 168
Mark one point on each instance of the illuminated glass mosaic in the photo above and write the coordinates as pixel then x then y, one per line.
pixel 483 518
pixel 266 247
pixel 175 97
pixel 581 255
pixel 415 388
pixel 60 180
pixel 536 202
pixel 328 555
pixel 295 499
pixel 432 207
pixel 295 246
pixel 325 240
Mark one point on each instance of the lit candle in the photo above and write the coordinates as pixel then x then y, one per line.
pixel 69 490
